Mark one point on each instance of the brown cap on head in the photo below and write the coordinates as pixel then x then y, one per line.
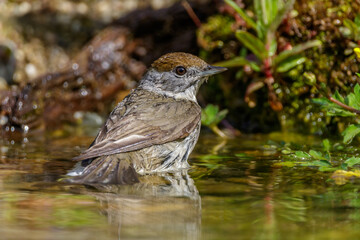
pixel 169 61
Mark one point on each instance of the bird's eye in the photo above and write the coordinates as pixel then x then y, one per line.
pixel 180 70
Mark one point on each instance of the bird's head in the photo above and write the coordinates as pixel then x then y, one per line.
pixel 178 75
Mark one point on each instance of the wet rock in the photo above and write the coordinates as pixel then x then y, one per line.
pixel 89 83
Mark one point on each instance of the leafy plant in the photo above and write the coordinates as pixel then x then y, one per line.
pixel 339 106
pixel 311 158
pixel 211 116
pixel 343 170
pixel 348 106
pixel 269 14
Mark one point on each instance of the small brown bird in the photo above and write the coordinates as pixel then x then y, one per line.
pixel 154 129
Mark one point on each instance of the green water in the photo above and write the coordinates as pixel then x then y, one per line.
pixel 234 190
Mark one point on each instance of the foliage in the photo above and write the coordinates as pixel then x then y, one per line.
pixel 269 15
pixel 348 106
pixel 335 105
pixel 322 159
pixel 333 64
pixel 211 116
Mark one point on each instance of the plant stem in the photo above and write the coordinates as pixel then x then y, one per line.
pixel 344 105
pixel 217 131
pixel 191 13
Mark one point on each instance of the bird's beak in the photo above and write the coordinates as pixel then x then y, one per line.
pixel 211 70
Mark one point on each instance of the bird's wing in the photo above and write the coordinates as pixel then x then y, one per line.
pixel 156 121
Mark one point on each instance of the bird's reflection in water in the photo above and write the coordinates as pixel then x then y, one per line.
pixel 159 206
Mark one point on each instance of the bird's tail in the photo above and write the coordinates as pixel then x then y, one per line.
pixel 107 170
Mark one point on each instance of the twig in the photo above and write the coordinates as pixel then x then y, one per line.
pixel 344 105
pixel 191 13
pixel 326 93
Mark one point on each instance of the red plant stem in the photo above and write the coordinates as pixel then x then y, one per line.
pixel 267 68
pixel 344 105
pixel 191 13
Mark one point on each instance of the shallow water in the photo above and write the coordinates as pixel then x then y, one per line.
pixel 234 190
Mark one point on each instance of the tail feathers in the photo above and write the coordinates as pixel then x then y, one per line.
pixel 107 170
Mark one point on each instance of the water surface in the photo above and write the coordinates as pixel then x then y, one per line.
pixel 234 190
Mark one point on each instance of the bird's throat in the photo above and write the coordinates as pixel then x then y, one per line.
pixel 188 94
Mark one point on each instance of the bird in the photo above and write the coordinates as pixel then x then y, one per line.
pixel 153 129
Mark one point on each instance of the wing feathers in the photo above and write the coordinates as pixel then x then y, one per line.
pixel 158 120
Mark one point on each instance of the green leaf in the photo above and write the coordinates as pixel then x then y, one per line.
pixel 243 156
pixel 242 14
pixel 286 151
pixel 321 101
pixel 234 62
pixel 266 12
pixel 253 43
pixel 350 132
pixel 352 161
pixel 332 108
pixel 275 5
pixel 327 169
pixel 284 55
pixel 343 166
pixel 210 116
pixel 338 97
pixel 220 116
pixel 280 15
pixel 291 63
pixel 269 11
pixel 357 20
pixel 303 155
pixel 352 101
pixel 255 67
pixel 357 93
pixel 340 112
pixel 317 155
pixel 273 48
pixel 258 10
pixel 321 163
pixel 285 164
pixel 260 27
pixel 326 144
